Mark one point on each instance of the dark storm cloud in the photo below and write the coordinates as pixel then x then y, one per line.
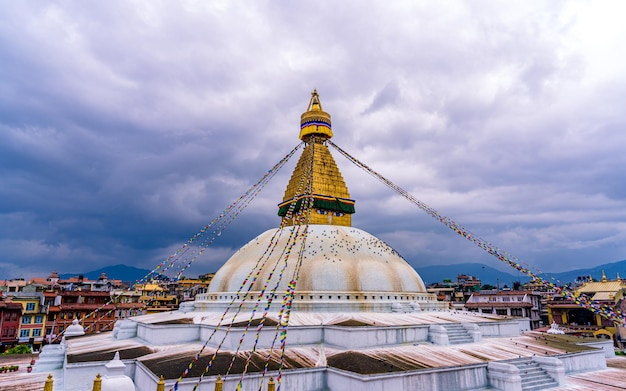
pixel 125 127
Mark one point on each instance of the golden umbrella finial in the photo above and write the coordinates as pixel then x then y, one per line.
pixel 219 383
pixel 49 383
pixel 97 383
pixel 161 384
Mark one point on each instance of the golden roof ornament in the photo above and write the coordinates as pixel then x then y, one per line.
pixel 315 121
pixel 332 204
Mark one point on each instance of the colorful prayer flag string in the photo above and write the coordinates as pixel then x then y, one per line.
pixel 483 244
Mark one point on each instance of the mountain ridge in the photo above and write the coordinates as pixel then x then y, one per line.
pixel 430 274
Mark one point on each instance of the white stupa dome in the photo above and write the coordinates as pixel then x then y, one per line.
pixel 341 266
pixel 336 258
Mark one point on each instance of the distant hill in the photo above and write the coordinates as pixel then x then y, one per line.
pixel 487 275
pixel 610 269
pixel 430 274
pixel 117 272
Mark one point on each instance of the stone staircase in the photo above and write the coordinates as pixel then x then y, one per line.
pixel 533 376
pixel 457 334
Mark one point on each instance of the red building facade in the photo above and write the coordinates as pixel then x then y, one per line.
pixel 10 314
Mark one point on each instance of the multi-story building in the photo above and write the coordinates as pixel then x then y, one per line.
pixel 127 303
pixel 156 298
pixel 48 306
pixel 456 293
pixel 525 304
pixel 466 285
pixel 10 314
pixel 186 289
pixel 11 286
pixel 33 319
pixel 93 308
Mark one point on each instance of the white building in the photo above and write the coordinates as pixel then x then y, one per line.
pixel 525 304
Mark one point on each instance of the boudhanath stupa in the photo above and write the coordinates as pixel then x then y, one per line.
pixel 317 304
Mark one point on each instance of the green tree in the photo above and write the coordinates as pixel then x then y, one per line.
pixel 20 349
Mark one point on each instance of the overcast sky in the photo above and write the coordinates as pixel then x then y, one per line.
pixel 126 126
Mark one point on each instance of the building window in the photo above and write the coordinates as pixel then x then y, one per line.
pixel 14 316
pixel 30 306
pixel 24 333
pixel 39 319
pixel 501 311
pixel 37 333
pixel 26 319
pixel 7 316
pixel 5 332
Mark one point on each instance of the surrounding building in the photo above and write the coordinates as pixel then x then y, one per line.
pixel 526 304
pixel 578 320
pixel 127 303
pixel 186 289
pixel 156 297
pixel 39 310
pixel 10 316
pixel 457 292
pixel 92 308
pixel 33 319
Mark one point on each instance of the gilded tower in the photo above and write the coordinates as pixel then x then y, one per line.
pixel 316 175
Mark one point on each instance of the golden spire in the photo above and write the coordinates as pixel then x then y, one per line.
pixel 331 200
pixel 603 276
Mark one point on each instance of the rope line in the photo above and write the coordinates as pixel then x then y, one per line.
pixel 581 300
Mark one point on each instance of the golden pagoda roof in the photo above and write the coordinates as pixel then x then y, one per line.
pixel 602 286
pixel 317 178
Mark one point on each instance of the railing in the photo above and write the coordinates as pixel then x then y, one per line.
pixel 97 384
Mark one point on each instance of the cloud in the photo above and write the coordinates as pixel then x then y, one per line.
pixel 126 127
